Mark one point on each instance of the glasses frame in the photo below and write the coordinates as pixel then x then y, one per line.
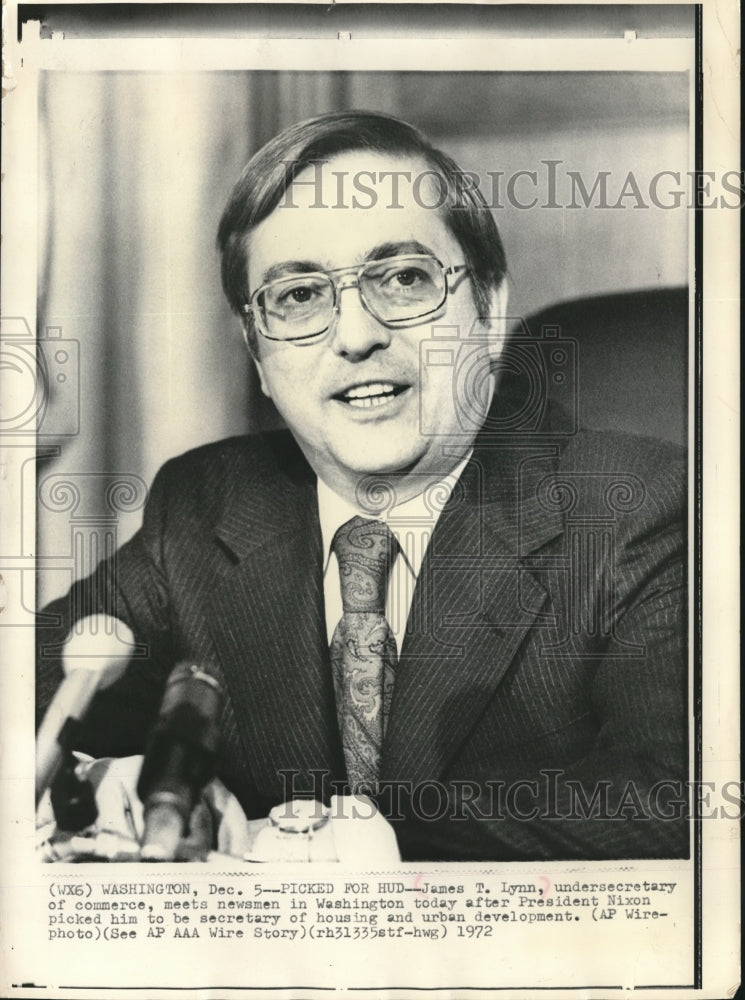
pixel 339 285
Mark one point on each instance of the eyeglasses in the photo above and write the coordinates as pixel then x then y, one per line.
pixel 394 290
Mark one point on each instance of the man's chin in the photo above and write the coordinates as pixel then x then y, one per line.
pixel 392 480
pixel 393 469
pixel 377 474
pixel 366 465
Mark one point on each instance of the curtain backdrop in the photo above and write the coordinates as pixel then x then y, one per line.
pixel 135 171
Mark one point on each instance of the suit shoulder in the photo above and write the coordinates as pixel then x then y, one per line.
pixel 257 454
pixel 609 451
pixel 204 478
pixel 630 471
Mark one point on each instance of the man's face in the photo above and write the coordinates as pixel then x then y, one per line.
pixel 362 399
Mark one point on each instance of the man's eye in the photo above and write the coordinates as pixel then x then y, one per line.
pixel 297 295
pixel 410 277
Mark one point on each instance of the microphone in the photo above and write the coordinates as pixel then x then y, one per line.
pixel 180 758
pixel 94 656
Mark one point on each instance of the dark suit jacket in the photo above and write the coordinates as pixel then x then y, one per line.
pixel 541 691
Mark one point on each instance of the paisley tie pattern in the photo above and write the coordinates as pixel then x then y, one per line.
pixel 363 649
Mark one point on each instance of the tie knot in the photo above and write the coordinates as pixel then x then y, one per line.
pixel 366 551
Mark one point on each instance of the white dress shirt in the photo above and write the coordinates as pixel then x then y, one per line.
pixel 412 522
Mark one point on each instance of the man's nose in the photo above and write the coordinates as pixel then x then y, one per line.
pixel 355 333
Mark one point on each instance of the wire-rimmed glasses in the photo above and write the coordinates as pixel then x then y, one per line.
pixel 395 290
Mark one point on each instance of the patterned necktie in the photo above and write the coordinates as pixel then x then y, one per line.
pixel 363 648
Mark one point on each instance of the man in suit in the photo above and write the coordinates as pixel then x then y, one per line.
pixel 512 682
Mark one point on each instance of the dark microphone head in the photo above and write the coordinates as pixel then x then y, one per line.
pixel 180 758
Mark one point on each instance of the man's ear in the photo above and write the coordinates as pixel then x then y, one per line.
pixel 249 339
pixel 262 379
pixel 495 323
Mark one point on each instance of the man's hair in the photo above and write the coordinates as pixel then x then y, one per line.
pixel 270 172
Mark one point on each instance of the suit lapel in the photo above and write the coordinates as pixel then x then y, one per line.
pixel 269 630
pixel 474 602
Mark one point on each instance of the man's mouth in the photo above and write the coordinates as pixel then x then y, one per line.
pixel 370 394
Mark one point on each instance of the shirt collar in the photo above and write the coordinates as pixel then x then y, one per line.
pixel 421 511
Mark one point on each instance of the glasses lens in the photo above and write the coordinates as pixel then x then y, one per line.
pixel 297 307
pixel 403 288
